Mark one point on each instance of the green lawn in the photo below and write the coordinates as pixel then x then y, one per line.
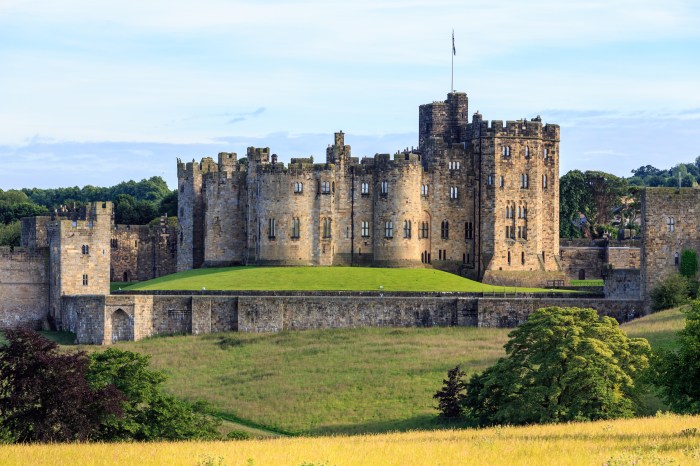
pixel 596 282
pixel 340 381
pixel 320 278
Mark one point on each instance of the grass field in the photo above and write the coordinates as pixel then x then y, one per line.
pixel 319 278
pixel 662 440
pixel 339 381
pixel 587 283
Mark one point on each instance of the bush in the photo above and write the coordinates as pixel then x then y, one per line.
pixel 673 291
pixel 676 374
pixel 562 364
pixel 689 264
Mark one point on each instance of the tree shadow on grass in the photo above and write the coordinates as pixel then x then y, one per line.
pixel 422 422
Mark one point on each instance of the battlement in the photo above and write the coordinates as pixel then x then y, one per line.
pixel 189 169
pixel 515 128
pixel 258 154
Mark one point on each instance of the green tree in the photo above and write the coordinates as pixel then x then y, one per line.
pixel 148 413
pixel 676 374
pixel 10 235
pixel 574 199
pixel 562 364
pixel 673 291
pixel 452 394
pixel 689 264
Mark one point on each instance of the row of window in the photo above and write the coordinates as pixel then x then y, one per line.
pixel 442 255
pixel 521 232
pixel 505 152
pixel 326 187
pixel 424 229
pixel 510 211
pixel 524 181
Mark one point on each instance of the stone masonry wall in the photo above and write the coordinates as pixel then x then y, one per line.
pixel 623 284
pixel 24 287
pixel 670 224
pixel 498 312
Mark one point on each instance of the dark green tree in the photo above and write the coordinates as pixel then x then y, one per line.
pixel 672 291
pixel 44 396
pixel 689 264
pixel 148 413
pixel 452 394
pixel 562 364
pixel 574 199
pixel 676 374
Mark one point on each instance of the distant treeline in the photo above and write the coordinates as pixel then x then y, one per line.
pixel 135 203
pixel 594 203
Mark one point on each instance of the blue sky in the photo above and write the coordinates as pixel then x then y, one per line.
pixel 100 92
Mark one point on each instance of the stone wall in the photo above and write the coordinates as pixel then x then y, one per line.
pixel 583 263
pixel 142 252
pixel 277 313
pixel 499 312
pixel 624 257
pixel 670 224
pixel 24 287
pixel 623 284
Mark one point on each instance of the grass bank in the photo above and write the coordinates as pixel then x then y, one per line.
pixel 657 440
pixel 320 278
pixel 340 381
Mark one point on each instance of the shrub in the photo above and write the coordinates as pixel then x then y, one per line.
pixel 452 394
pixel 689 264
pixel 562 364
pixel 671 292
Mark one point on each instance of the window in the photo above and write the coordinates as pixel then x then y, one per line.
pixel 524 231
pixel 384 187
pixel 507 232
pixel 445 230
pixel 671 224
pixel 85 280
pixel 114 243
pixel 524 181
pixel 295 228
pixel 425 257
pixel 365 229
pixel 453 165
pixel 389 229
pixel 407 229
pixel 505 151
pixel 468 230
pixel 544 154
pixel 522 258
pixel 454 192
pixel 676 260
pixel 364 188
pixel 501 181
pixel 325 187
pixel 544 181
pixel 424 190
pixel 520 232
pixel 271 228
pixel 326 227
pixel 489 180
pixel 86 249
pixel 298 187
pixel 424 230
pixel 508 257
pixel 527 152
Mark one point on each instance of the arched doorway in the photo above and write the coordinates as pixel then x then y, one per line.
pixel 126 276
pixel 581 274
pixel 122 326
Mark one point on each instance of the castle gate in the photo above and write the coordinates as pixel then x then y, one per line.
pixel 122 326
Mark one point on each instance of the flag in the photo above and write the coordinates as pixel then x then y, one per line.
pixel 454 50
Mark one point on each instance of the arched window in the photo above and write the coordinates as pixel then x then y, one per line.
pixel 671 224
pixel 544 181
pixel 295 228
pixel 527 152
pixel 389 229
pixel 407 229
pixel 445 230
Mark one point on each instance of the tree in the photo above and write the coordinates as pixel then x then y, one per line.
pixel 562 364
pixel 574 200
pixel 10 235
pixel 148 413
pixel 451 396
pixel 689 264
pixel 44 396
pixel 672 291
pixel 676 374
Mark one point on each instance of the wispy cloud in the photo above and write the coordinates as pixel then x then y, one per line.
pixel 244 116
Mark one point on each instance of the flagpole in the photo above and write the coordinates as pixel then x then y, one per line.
pixel 452 81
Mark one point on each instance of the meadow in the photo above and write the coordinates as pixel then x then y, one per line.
pixel 320 278
pixel 660 440
pixel 342 381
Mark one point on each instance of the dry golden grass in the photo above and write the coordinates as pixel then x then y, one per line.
pixel 658 440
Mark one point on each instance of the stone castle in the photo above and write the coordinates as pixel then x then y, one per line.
pixel 475 198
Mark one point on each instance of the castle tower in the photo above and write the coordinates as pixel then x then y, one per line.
pixel 191 206
pixel 447 119
pixel 79 258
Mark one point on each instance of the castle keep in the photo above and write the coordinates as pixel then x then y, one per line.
pixel 475 198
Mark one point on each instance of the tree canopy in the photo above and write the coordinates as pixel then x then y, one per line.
pixel 562 364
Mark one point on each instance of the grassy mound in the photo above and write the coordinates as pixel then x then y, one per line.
pixel 339 381
pixel 319 278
